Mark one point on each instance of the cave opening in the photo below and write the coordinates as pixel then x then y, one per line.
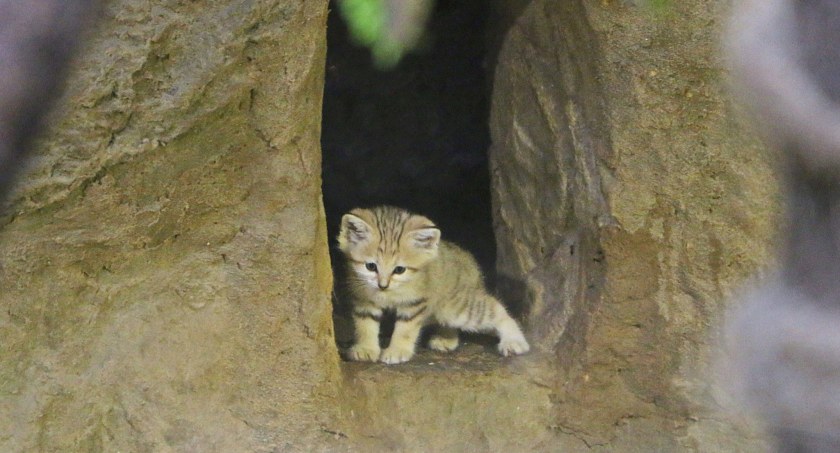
pixel 415 136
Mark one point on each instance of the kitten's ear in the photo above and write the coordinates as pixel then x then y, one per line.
pixel 425 238
pixel 354 231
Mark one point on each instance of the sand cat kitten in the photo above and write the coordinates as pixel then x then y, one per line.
pixel 397 261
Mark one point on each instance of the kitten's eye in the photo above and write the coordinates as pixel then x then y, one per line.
pixel 370 266
pixel 399 270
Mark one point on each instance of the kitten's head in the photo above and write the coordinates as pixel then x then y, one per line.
pixel 386 246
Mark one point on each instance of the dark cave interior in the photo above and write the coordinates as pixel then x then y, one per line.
pixel 415 136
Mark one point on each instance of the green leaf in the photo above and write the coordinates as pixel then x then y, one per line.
pixel 365 19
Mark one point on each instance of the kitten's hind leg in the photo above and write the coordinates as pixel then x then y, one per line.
pixel 445 339
pixel 493 316
pixel 511 340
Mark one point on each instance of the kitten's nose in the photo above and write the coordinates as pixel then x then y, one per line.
pixel 383 281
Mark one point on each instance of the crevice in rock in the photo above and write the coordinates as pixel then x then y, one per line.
pixel 409 138
pixel 414 137
pixel 418 137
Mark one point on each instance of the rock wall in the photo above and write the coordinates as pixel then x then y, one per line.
pixel 164 269
pixel 629 204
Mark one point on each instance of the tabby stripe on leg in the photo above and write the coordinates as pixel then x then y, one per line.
pixel 413 303
pixel 406 317
pixel 471 307
pixel 482 312
pixel 367 314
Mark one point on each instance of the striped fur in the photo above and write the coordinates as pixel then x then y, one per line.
pixel 398 262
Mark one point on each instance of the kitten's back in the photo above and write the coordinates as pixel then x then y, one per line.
pixel 454 269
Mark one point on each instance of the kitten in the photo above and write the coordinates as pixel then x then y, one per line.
pixel 396 261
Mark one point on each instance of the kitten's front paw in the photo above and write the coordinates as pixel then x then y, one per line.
pixel 362 353
pixel 393 355
pixel 513 346
pixel 443 344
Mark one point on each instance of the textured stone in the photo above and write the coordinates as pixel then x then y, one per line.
pixel 164 271
pixel 469 400
pixel 629 204
pixel 165 277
